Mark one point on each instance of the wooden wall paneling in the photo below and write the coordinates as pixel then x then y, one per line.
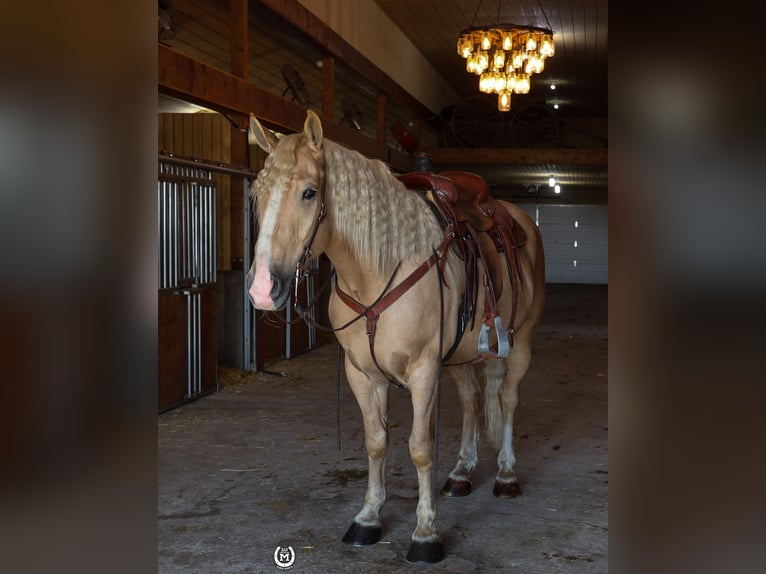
pixel 349 84
pixel 323 35
pixel 187 144
pixel 198 130
pixel 178 133
pixel 171 383
pixel 203 32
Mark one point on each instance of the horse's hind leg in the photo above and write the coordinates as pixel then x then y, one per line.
pixel 372 396
pixel 459 480
pixel 506 483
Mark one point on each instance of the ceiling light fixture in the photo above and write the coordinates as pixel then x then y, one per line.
pixel 505 55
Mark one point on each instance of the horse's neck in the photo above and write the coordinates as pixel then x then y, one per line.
pixel 397 229
pixel 355 277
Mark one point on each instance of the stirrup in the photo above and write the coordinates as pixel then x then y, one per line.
pixel 503 345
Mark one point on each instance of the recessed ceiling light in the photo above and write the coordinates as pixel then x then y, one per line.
pixel 555 106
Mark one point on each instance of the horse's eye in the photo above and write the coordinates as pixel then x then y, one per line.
pixel 309 193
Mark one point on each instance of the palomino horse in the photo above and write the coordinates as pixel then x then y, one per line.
pixel 314 196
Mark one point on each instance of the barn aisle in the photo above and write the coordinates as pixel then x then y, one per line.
pixel 256 466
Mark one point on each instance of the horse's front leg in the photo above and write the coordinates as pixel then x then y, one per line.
pixel 426 546
pixel 372 396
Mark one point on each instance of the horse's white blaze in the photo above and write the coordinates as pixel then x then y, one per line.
pixel 260 290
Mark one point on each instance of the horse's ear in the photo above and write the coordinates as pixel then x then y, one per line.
pixel 260 135
pixel 312 129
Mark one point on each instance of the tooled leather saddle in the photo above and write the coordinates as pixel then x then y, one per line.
pixel 477 228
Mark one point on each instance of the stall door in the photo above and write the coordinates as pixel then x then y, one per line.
pixel 187 285
pixel 576 241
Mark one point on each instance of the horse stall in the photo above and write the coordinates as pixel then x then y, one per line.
pixel 205 241
pixel 187 277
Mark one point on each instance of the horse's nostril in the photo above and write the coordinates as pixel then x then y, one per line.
pixel 276 286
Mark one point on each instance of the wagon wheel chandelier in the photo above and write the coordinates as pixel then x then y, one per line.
pixel 505 56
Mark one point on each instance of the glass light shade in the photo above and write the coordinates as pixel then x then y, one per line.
pixel 498 59
pixel 486 41
pixel 531 43
pixel 483 60
pixel 510 82
pixel 498 82
pixel 547 48
pixel 522 84
pixel 507 41
pixel 472 63
pixel 517 59
pixel 465 45
pixel 534 64
pixel 504 101
pixel 485 84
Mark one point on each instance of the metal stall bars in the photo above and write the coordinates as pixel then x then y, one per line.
pixel 187 267
pixel 186 224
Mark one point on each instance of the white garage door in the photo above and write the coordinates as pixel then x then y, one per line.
pixel 575 238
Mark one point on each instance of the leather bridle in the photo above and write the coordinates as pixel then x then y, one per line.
pixel 300 268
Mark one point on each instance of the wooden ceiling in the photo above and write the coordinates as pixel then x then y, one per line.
pixel 579 69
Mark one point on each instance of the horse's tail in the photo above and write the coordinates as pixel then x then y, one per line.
pixel 494 373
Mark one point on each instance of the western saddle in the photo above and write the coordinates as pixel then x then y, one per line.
pixel 477 227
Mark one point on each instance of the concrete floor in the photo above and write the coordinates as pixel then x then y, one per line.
pixel 256 466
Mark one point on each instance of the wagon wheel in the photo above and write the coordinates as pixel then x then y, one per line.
pixel 536 126
pixel 476 122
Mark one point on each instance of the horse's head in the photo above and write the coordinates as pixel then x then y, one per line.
pixel 289 194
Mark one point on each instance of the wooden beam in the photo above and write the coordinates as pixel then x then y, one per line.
pixel 516 156
pixel 200 83
pixel 238 22
pixel 239 31
pixel 303 19
pixel 196 82
pixel 328 86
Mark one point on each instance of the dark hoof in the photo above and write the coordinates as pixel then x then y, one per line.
pixel 456 488
pixel 506 489
pixel 358 535
pixel 425 553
